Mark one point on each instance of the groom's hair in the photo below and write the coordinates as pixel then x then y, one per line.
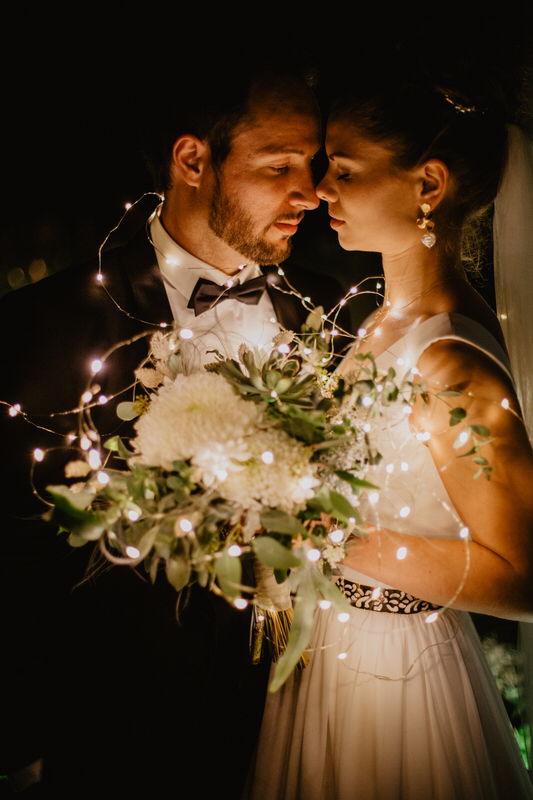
pixel 210 102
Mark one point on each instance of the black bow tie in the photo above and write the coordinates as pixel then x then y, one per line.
pixel 207 294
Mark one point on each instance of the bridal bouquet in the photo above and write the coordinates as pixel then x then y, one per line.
pixel 244 478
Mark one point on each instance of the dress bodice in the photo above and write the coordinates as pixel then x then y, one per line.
pixel 412 496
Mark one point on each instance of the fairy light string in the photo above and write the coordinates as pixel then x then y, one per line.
pixel 90 442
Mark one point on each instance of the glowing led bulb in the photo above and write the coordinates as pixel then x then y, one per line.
pixel 325 604
pixel 240 603
pixel 133 515
pixel 267 457
pixel 432 617
pixel 241 267
pixel 103 478
pixel 132 552
pixel 307 299
pixel 343 302
pixel 96 365
pixel 14 410
pixel 343 617
pixel 221 474
pixel 87 397
pixel 367 427
pixel 405 511
pixel 353 290
pixel 127 206
pixel 373 497
pixel 38 454
pixel 503 316
pixel 361 332
pixel 378 331
pixel 163 324
pixel 186 333
pixel 284 348
pixel 463 533
pixel 94 459
pixel 102 399
pixel 400 362
pixel 100 277
pixel 306 483
pixel 390 468
pixel 401 552
pixel 505 403
pixel 378 285
pixel 404 466
pixel 367 401
pixel 234 550
pixel 280 271
pixel 342 656
pixel 313 554
pixel 334 332
pixel 186 525
pixel 376 594
pixel 229 283
pixel 337 535
pixel 464 437
pixel 85 443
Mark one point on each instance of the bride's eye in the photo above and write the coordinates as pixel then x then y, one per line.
pixel 343 176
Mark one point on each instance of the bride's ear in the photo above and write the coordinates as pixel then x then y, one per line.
pixel 433 183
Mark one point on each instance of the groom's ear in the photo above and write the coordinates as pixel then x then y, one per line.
pixel 190 157
pixel 434 182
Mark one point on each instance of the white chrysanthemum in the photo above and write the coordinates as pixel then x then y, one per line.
pixel 285 483
pixel 195 416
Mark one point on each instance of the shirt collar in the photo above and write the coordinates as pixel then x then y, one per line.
pixel 182 269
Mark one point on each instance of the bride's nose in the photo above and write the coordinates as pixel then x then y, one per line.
pixel 324 189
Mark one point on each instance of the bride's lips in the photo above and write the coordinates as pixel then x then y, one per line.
pixel 288 228
pixel 336 223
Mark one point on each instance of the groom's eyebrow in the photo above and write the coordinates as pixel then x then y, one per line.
pixel 274 149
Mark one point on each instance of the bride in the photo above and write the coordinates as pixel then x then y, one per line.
pixel 399 702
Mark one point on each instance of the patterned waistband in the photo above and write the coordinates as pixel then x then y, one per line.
pixel 391 600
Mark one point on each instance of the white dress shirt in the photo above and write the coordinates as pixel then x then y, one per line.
pixel 225 326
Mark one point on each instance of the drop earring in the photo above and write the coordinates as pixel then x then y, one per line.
pixel 426 224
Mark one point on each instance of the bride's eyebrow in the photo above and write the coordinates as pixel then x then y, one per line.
pixel 340 154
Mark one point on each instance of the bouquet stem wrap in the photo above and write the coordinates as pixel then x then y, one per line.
pixel 273 614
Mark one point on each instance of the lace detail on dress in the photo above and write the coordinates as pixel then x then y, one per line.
pixel 391 600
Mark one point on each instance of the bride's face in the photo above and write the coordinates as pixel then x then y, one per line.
pixel 373 205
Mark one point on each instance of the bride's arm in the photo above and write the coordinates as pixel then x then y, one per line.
pixel 498 513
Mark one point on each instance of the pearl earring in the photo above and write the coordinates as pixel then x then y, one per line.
pixel 425 223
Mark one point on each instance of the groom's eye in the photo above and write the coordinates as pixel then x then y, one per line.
pixel 280 170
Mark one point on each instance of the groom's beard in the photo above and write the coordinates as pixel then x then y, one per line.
pixel 231 223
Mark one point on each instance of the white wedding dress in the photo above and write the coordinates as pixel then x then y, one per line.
pixel 412 712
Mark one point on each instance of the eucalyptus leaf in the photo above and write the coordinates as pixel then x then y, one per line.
pixel 277 521
pixel 229 574
pixel 330 591
pixel 300 633
pixel 342 508
pixel 353 481
pixel 273 554
pixel 456 416
pixel 178 572
pixel 481 430
pixel 127 410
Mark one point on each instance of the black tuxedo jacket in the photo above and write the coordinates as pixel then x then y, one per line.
pixel 99 677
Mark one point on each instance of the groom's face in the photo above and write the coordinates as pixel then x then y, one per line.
pixel 262 190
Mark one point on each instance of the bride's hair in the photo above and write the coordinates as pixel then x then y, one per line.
pixel 458 115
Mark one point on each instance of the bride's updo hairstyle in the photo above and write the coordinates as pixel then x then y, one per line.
pixel 458 118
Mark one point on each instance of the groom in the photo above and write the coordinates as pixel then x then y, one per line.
pixel 106 695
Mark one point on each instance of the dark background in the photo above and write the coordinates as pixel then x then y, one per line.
pixel 77 81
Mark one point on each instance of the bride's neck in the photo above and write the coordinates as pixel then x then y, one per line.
pixel 419 275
